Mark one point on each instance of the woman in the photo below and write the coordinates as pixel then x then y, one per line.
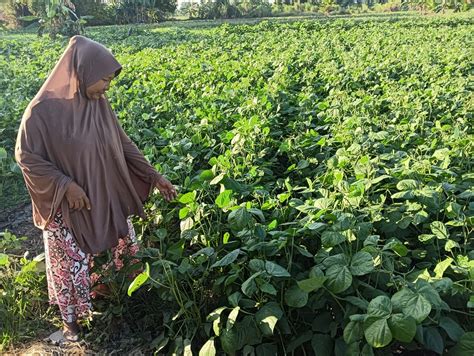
pixel 84 175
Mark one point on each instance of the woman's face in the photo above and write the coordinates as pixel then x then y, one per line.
pixel 96 90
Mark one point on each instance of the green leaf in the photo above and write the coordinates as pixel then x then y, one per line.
pixel 273 224
pixel 300 339
pixel 450 244
pixel 225 238
pixel 234 298
pixel 257 265
pixel 454 331
pixel 426 237
pixel 227 259
pixel 295 297
pixel 340 260
pixel 353 349
pixel 224 198
pixel 378 333
pixel 266 350
pixel 160 342
pixel 358 302
pixel 339 278
pixel 206 175
pixel 239 219
pixel 367 351
pixel 276 270
pixel 316 272
pixel 232 317
pixel 397 247
pixel 322 345
pixel 404 195
pixel 413 304
pixel 188 197
pixel 3 259
pixel 403 327
pixel 316 226
pixel 248 351
pixel 208 349
pixel 230 340
pixel 302 164
pixel 139 280
pixel 249 287
pixel 407 184
pixel 215 317
pixel 353 332
pixel 426 290
pixel 3 153
pixel 380 307
pixel 303 251
pixel 465 347
pixel 420 217
pixel 340 347
pixel 183 212
pixel 433 340
pixel 258 213
pixel 362 263
pixel 243 333
pixel 268 288
pixel 470 303
pixel 332 238
pixel 439 230
pixel 267 317
pixel 311 284
pixel 206 251
pixel 442 266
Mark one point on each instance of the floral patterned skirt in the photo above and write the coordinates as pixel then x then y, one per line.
pixel 68 268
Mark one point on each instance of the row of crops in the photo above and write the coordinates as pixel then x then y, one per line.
pixel 325 178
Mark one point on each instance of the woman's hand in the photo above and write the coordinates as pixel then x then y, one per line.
pixel 77 198
pixel 166 188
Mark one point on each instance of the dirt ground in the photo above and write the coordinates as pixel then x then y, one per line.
pixel 42 349
pixel 19 222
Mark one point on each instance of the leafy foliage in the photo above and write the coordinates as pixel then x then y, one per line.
pixel 23 292
pixel 325 187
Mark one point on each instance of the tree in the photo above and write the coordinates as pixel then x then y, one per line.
pixel 129 11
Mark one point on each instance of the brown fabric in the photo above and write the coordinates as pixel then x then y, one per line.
pixel 65 137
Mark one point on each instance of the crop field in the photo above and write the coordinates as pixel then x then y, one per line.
pixel 325 177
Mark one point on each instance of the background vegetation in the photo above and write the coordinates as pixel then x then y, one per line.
pixel 325 178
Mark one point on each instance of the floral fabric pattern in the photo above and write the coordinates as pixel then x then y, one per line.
pixel 68 268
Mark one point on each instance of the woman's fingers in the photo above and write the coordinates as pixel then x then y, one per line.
pixel 169 195
pixel 167 190
pixel 165 195
pixel 77 198
pixel 171 191
pixel 87 203
pixel 81 203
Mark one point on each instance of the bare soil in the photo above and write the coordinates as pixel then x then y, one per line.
pixel 19 221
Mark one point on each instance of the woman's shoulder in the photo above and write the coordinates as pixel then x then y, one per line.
pixel 47 108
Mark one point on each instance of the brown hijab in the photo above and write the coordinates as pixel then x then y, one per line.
pixel 65 137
